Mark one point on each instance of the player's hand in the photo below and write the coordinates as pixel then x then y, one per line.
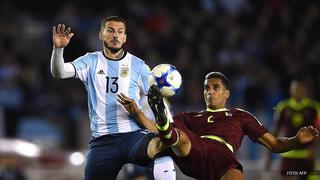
pixel 307 134
pixel 128 103
pixel 61 36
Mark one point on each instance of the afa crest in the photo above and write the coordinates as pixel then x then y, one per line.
pixel 124 71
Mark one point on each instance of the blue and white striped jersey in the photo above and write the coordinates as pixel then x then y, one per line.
pixel 104 79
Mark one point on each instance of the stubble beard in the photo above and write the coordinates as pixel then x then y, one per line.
pixel 112 49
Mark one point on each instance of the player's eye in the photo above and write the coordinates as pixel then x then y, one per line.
pixel 216 87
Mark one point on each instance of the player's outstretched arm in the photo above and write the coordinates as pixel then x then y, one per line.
pixel 60 38
pixel 280 145
pixel 131 106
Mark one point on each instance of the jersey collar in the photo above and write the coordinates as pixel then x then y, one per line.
pixel 216 110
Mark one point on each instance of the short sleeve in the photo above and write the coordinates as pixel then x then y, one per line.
pixel 81 66
pixel 252 127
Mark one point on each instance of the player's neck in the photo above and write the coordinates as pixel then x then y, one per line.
pixel 113 55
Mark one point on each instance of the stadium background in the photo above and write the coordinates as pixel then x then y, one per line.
pixel 260 45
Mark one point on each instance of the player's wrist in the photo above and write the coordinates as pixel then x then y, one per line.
pixel 295 140
pixel 57 50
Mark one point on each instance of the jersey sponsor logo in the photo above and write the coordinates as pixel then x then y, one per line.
pixel 124 71
pixel 100 72
pixel 228 114
pixel 210 119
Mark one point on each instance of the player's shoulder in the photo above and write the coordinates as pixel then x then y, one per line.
pixel 91 56
pixel 241 112
pixel 244 115
pixel 313 103
pixel 137 61
pixel 283 104
pixel 134 57
pixel 94 53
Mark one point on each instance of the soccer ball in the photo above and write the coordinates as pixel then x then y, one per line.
pixel 167 78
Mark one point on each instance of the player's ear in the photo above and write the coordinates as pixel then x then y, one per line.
pixel 100 35
pixel 125 38
pixel 226 94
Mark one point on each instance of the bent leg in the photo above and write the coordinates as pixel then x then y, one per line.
pixel 183 147
pixel 232 174
pixel 169 136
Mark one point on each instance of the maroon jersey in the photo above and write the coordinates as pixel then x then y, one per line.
pixel 229 124
pixel 210 159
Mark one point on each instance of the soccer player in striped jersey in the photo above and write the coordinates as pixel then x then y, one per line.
pixel 290 115
pixel 204 143
pixel 116 137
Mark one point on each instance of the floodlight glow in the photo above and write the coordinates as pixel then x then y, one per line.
pixel 76 158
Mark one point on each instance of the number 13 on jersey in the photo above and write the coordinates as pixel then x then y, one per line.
pixel 112 84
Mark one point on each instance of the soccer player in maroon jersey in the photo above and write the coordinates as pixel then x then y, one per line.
pixel 204 143
pixel 290 115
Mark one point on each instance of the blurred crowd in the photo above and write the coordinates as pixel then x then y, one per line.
pixel 259 45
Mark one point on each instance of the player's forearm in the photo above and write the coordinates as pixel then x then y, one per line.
pixel 59 69
pixel 144 121
pixel 285 144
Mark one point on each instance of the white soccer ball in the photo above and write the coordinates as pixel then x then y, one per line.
pixel 167 78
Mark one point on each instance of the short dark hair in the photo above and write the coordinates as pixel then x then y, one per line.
pixel 219 75
pixel 113 18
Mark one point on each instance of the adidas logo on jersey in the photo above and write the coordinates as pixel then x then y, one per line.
pixel 100 72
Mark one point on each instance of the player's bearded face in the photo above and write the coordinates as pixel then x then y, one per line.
pixel 215 94
pixel 113 36
pixel 112 48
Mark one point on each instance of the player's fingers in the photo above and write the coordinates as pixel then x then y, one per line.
pixel 67 31
pixel 123 99
pixel 313 130
pixel 125 96
pixel 63 27
pixel 119 97
pixel 54 30
pixel 59 29
pixel 120 101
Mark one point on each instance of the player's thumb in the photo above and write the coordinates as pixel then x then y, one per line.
pixel 70 35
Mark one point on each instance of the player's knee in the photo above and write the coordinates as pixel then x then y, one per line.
pixel 154 147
